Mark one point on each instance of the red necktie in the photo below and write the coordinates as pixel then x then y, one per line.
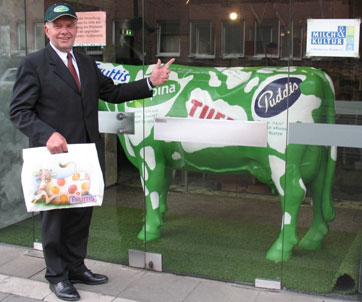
pixel 72 69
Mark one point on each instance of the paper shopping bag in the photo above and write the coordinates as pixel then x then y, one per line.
pixel 64 180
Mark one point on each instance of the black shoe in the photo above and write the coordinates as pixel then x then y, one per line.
pixel 88 277
pixel 65 290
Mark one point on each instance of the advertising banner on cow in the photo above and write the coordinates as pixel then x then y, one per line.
pixel 333 37
pixel 63 180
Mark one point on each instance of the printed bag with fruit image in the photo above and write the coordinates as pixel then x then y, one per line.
pixel 63 180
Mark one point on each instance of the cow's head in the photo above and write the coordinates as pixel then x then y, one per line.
pixel 43 177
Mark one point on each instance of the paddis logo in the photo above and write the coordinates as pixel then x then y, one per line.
pixel 277 96
pixel 117 73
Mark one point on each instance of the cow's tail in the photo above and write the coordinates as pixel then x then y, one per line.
pixel 327 200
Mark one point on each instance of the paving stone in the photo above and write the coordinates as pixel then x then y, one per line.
pixel 22 266
pixel 25 288
pixel 85 297
pixel 120 277
pixel 160 287
pixel 9 253
pixel 3 277
pixel 213 291
pixel 285 296
pixel 123 300
pixel 3 296
pixel 19 299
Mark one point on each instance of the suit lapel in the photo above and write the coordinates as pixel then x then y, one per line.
pixel 60 69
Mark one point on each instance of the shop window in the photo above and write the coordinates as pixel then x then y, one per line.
pixel 295 44
pixel 266 39
pixel 4 40
pixel 168 38
pixel 233 39
pixel 128 49
pixel 39 41
pixel 21 36
pixel 202 41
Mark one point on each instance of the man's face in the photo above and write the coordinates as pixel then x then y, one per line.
pixel 62 32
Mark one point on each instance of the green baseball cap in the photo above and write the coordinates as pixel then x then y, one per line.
pixel 58 10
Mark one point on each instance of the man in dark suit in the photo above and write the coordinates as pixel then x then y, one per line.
pixel 55 103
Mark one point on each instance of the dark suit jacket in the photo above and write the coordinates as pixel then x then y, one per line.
pixel 46 98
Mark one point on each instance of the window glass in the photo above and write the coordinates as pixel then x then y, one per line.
pixel 297 41
pixel 267 38
pixel 21 36
pixel 169 38
pixel 4 40
pixel 202 41
pixel 291 42
pixel 38 36
pixel 233 39
pixel 127 49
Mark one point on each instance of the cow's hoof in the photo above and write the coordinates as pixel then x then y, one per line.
pixel 308 244
pixel 149 236
pixel 314 237
pixel 280 251
pixel 277 255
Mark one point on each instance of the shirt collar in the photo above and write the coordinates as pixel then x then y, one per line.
pixel 61 54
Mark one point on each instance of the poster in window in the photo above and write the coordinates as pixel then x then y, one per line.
pixel 91 29
pixel 333 37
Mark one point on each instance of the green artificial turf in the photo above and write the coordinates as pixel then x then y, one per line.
pixel 346 278
pixel 217 248
pixel 21 233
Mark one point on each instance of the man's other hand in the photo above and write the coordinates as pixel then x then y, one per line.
pixel 160 73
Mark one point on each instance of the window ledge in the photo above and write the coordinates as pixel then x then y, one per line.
pixel 168 54
pixel 232 56
pixel 202 56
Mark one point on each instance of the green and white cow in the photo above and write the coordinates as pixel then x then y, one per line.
pixel 275 95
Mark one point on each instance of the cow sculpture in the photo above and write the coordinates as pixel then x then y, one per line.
pixel 63 190
pixel 275 95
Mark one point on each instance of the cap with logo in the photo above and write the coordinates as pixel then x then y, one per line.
pixel 58 10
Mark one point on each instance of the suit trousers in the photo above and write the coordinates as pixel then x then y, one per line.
pixel 65 238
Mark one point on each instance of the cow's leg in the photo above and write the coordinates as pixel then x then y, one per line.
pixel 155 179
pixel 164 192
pixel 291 191
pixel 312 240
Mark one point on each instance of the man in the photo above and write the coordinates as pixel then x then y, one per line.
pixel 55 102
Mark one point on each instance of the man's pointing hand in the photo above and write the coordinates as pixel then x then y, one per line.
pixel 160 74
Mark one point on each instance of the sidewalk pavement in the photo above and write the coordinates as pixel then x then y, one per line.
pixel 22 280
